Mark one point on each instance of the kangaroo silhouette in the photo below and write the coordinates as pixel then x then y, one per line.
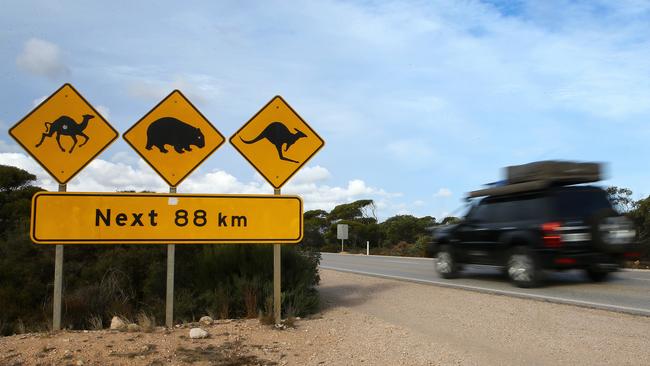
pixel 278 134
pixel 66 126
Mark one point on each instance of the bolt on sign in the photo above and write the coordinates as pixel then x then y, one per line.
pixel 277 142
pixel 64 133
pixel 174 138
pixel 148 218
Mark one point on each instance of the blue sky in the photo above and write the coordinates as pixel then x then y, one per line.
pixel 418 101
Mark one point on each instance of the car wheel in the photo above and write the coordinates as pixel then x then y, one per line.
pixel 597 275
pixel 445 263
pixel 523 268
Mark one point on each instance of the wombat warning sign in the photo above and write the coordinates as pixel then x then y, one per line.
pixel 174 138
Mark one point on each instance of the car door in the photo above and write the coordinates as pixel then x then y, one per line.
pixel 474 233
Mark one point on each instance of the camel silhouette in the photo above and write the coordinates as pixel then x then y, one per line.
pixel 66 126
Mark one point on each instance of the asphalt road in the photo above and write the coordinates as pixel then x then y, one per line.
pixel 626 291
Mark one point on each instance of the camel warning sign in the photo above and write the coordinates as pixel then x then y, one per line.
pixel 147 218
pixel 64 133
pixel 277 142
pixel 174 138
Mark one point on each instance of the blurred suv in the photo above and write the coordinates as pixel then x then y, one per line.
pixel 539 219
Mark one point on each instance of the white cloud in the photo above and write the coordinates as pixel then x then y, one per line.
pixel 38 101
pixel 198 88
pixel 442 192
pixel 104 111
pixel 117 175
pixel 42 58
pixel 6 147
pixel 310 174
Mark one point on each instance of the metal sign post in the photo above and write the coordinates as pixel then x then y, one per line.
pixel 58 280
pixel 277 142
pixel 277 277
pixel 169 298
pixel 65 114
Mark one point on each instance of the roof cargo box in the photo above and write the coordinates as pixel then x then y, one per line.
pixel 565 172
pixel 540 175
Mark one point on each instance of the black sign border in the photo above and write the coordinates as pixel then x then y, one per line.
pixel 197 164
pixel 292 241
pixel 89 160
pixel 301 165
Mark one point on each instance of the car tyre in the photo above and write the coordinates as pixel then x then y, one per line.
pixel 523 268
pixel 597 275
pixel 445 263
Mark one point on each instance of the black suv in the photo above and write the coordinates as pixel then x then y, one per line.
pixel 529 229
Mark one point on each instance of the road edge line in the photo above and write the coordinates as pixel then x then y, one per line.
pixel 549 299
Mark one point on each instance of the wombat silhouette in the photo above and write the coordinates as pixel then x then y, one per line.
pixel 66 126
pixel 278 134
pixel 174 132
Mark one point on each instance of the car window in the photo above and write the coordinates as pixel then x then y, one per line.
pixel 526 208
pixel 580 202
pixel 482 212
pixel 530 207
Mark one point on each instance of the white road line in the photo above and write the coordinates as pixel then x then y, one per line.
pixel 640 279
pixel 399 262
pixel 379 256
pixel 559 300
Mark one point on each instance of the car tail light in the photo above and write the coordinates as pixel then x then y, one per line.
pixel 632 255
pixel 551 235
pixel 565 261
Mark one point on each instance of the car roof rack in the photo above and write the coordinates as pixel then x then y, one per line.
pixel 540 175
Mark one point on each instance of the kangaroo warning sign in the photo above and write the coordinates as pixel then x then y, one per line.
pixel 64 133
pixel 277 142
pixel 142 218
pixel 174 138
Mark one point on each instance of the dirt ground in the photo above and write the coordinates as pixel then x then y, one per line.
pixel 369 321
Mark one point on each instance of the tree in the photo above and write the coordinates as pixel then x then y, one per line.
pixel 353 211
pixel 359 215
pixel 621 199
pixel 315 227
pixel 12 178
pixel 405 228
pixel 449 220
pixel 641 217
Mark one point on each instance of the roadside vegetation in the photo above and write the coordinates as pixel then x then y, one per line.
pixel 406 235
pixel 102 281
pixel 223 281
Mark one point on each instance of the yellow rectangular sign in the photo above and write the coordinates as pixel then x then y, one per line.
pixel 149 218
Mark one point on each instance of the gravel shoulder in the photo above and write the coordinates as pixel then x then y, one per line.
pixel 369 321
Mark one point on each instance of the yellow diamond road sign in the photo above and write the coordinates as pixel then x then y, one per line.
pixel 64 133
pixel 277 142
pixel 174 138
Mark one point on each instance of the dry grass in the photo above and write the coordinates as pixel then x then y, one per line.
pixel 96 323
pixel 20 327
pixel 266 316
pixel 250 301
pixel 146 322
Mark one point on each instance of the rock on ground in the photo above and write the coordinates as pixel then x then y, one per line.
pixel 198 333
pixel 117 323
pixel 206 320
